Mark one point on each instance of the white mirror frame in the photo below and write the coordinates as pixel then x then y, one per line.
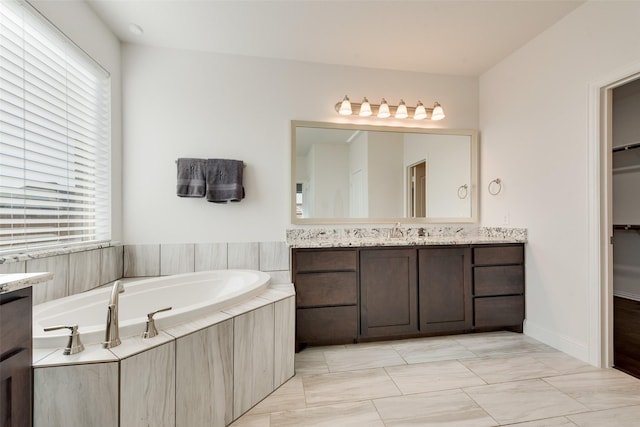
pixel 473 190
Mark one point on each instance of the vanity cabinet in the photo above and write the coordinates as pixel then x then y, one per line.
pixel 346 295
pixel 498 286
pixel 445 289
pixel 326 282
pixel 388 292
pixel 15 358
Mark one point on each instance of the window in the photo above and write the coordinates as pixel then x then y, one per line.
pixel 54 136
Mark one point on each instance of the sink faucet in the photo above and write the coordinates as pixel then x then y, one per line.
pixel 112 334
pixel 395 231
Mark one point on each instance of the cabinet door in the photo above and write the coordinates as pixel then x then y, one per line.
pixel 388 291
pixel 445 289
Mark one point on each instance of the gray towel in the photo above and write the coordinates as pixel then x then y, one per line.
pixel 224 180
pixel 191 177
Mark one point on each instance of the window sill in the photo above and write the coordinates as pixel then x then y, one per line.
pixel 49 252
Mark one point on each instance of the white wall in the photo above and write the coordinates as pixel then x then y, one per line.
pixel 534 125
pixel 80 24
pixel 386 175
pixel 184 103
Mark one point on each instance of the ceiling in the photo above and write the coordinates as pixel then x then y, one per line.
pixel 453 37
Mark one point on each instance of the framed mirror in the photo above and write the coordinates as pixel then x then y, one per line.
pixel 347 173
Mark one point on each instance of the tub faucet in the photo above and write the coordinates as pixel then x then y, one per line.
pixel 112 334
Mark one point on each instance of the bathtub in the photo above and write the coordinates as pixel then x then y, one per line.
pixel 191 295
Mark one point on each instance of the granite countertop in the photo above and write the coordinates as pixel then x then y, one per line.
pixel 17 281
pixel 403 236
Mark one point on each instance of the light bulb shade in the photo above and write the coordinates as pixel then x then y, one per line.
pixel 421 112
pixel 437 113
pixel 345 107
pixel 365 108
pixel 383 111
pixel 401 112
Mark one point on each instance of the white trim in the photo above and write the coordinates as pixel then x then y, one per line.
pixel 599 280
pixel 555 340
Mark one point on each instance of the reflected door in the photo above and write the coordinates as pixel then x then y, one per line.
pixel 418 190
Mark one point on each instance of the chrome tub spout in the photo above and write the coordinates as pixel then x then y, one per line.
pixel 112 333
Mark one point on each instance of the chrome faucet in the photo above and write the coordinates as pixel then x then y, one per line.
pixel 395 231
pixel 112 333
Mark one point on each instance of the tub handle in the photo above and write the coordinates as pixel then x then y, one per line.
pixel 150 330
pixel 73 344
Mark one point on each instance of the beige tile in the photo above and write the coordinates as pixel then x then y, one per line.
pixel 326 389
pixel 365 358
pixel 177 259
pixel 434 376
pixel 523 401
pixel 496 343
pixel 620 417
pixel 312 361
pixel 344 415
pixel 290 396
pixel 449 408
pixel 431 350
pixel 562 362
pixel 260 420
pixel 547 422
pixel 508 368
pixel 601 389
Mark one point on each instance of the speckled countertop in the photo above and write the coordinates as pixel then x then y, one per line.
pixel 403 236
pixel 17 281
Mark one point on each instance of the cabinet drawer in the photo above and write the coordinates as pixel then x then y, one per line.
pixel 498 255
pixel 329 260
pixel 327 325
pixel 318 289
pixel 498 311
pixel 498 280
pixel 15 312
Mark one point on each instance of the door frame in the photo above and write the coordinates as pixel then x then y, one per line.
pixel 599 214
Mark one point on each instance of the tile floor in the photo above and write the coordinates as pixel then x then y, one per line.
pixel 491 379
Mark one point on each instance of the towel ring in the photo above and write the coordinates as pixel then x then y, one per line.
pixel 498 182
pixel 464 189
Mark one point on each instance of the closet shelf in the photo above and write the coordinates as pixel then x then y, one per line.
pixel 631 146
pixel 626 226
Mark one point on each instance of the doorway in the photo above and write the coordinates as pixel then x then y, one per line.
pixel 624 204
pixel 417 174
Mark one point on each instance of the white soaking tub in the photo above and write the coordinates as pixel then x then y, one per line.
pixel 190 295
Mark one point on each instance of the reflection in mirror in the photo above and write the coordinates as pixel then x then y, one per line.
pixel 358 173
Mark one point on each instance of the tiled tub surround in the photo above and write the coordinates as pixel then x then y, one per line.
pixel 205 372
pixel 402 236
pixel 82 269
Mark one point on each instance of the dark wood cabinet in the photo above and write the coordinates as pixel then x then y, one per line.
pixel 15 358
pixel 326 282
pixel 498 286
pixel 388 292
pixel 445 289
pixel 346 295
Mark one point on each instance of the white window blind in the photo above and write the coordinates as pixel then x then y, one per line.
pixel 54 136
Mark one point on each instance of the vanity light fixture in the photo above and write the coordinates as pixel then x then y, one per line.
pixel 438 113
pixel 383 109
pixel 366 109
pixel 345 107
pixel 401 111
pixel 421 112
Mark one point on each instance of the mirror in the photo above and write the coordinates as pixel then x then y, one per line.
pixel 344 173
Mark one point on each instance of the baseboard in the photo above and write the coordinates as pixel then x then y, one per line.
pixel 557 341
